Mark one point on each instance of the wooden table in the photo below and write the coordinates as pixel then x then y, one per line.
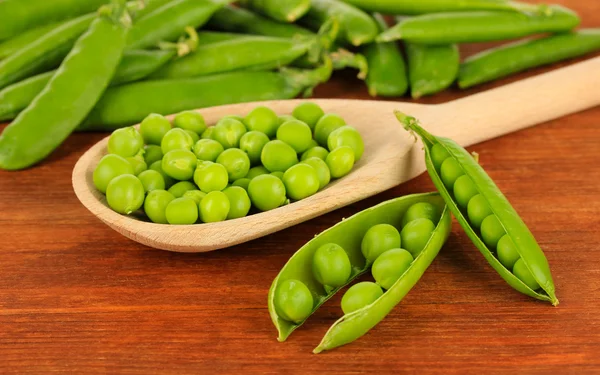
pixel 77 297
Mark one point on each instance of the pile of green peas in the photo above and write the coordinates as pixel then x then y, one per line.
pixel 389 251
pixel 187 172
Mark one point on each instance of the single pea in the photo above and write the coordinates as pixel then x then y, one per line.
pixel 278 156
pixel 208 149
pixel 152 153
pixel 347 136
pixel 125 142
pixel 278 174
pixel 379 239
pixel 239 202
pixel 236 162
pixel 208 133
pixel 301 181
pixel 507 252
pixel 155 205
pixel 477 210
pixel 266 192
pixel 256 171
pixel 180 188
pixel 416 234
pixel 153 128
pixel 125 194
pixel 296 134
pixel 242 182
pixel 182 211
pixel 309 113
pixel 252 143
pixel 152 180
pixel 176 139
pixel 331 265
pixel 322 170
pixel 390 266
pixel 195 195
pixel 450 172
pixel 438 155
pixel 137 163
pixel 228 132
pixel 109 167
pixel 491 231
pixel 157 166
pixel 360 295
pixel 262 119
pixel 521 271
pixel 195 137
pixel 211 177
pixel 315 152
pixel 464 190
pixel 214 207
pixel 340 161
pixel 179 164
pixel 190 120
pixel 293 301
pixel 421 210
pixel 285 118
pixel 235 117
pixel 327 124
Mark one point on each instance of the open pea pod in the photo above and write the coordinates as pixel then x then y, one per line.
pixel 524 242
pixel 349 234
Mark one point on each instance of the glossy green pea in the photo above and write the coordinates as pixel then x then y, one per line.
pixel 266 192
pixel 179 164
pixel 464 189
pixel 507 252
pixel 256 171
pixel 179 189
pixel 477 210
pixel 190 120
pixel 521 271
pixel 211 177
pixel 262 119
pixel 182 211
pixel 347 136
pixel 390 266
pixel 322 170
pixel 236 162
pixel 415 235
pixel 157 166
pixel 450 172
pixel 152 153
pixel 138 164
pixel 153 128
pixel 228 132
pixel 438 155
pixel 278 156
pixel 208 149
pixel 327 124
pixel 301 181
pixel 379 239
pixel 242 182
pixel 431 69
pixel 293 300
pixel 155 205
pixel 235 117
pixel 253 143
pixel 176 139
pixel 125 194
pixel 208 133
pixel 152 180
pixel 340 161
pixel 195 137
pixel 125 142
pixel 309 113
pixel 109 167
pixel 296 134
pixel 422 210
pixel 317 152
pixel 331 266
pixel 285 118
pixel 239 202
pixel 214 207
pixel 195 195
pixel 277 174
pixel 491 231
pixel 360 295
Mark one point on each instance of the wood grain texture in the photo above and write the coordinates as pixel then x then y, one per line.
pixel 76 297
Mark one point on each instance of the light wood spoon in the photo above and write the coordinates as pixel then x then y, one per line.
pixel 392 156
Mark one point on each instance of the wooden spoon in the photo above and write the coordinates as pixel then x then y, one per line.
pixel 392 156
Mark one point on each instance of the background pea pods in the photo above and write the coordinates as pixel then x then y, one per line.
pixel 412 7
pixel 349 234
pixel 517 57
pixel 487 194
pixel 431 68
pixel 12 45
pixel 281 10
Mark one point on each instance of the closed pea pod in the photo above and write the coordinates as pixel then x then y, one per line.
pixel 412 7
pixel 11 46
pixel 431 69
pixel 281 10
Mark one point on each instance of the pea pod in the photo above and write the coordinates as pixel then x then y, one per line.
pixel 431 68
pixel 22 40
pixel 516 57
pixel 280 10
pixel 349 234
pixel 480 26
pixel 486 197
pixel 411 7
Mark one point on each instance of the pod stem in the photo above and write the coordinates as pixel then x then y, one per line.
pixel 185 45
pixel 343 58
pixel 412 125
pixel 117 11
pixel 324 40
pixel 308 79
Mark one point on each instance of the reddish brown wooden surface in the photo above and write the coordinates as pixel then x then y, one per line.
pixel 77 297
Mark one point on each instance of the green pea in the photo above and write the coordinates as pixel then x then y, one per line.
pixel 331 265
pixel 125 142
pixel 236 162
pixel 180 188
pixel 438 155
pixel 507 252
pixel 182 211
pixel 242 182
pixel 301 181
pixel 421 210
pixel 293 301
pixel 152 153
pixel 477 210
pixel 109 167
pixel 208 149
pixel 176 139
pixel 235 117
pixel 256 171
pixel 208 133
pixel 190 120
pixel 322 170
pixel 390 266
pixel 360 295
pixel 296 134
pixel 340 161
pixel 228 132
pixel 195 195
pixel 347 136
pixel 179 164
pixel 195 137
pixel 239 202
pixel 152 180
pixel 157 166
pixel 155 205
pixel 137 163
pixel 327 124
pixel 211 177
pixel 262 119
pixel 266 192
pixel 416 234
pixel 309 113
pixel 521 271
pixel 379 239
pixel 214 207
pixel 450 172
pixel 252 143
pixel 278 156
pixel 491 231
pixel 315 152
pixel 285 118
pixel 125 194
pixel 464 190
pixel 277 174
pixel 153 128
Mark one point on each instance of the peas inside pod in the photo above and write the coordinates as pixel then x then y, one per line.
pixel 257 162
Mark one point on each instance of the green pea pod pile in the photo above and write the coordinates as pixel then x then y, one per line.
pixel 280 10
